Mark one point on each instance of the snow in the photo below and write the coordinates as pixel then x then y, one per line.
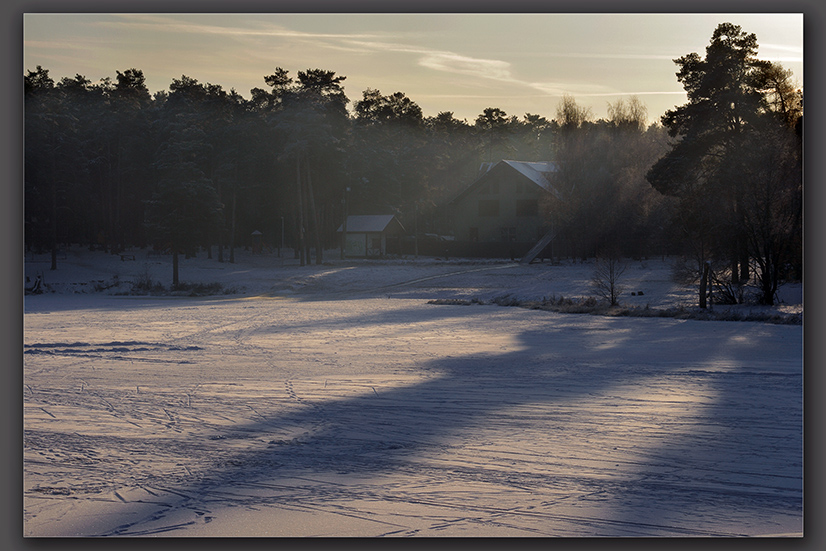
pixel 340 400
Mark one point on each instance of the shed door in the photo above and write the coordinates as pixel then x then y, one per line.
pixel 374 243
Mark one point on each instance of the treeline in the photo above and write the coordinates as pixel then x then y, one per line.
pixel 110 165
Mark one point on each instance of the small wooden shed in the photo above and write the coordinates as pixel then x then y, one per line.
pixel 366 236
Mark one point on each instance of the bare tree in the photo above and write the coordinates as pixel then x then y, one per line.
pixel 605 281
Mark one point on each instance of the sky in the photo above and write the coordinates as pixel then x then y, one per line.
pixel 460 62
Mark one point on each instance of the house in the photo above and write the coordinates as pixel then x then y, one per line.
pixel 368 236
pixel 499 213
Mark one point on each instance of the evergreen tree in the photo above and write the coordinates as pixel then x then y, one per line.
pixel 185 207
pixel 712 167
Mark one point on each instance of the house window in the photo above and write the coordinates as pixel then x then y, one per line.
pixel 488 207
pixel 473 234
pixel 508 234
pixel 527 207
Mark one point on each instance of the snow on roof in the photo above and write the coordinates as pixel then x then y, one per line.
pixel 535 171
pixel 368 223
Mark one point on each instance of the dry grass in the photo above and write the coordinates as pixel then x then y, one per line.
pixel 592 306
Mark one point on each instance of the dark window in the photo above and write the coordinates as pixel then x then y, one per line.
pixel 527 207
pixel 508 234
pixel 488 207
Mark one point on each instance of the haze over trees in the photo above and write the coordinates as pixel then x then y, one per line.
pixel 606 206
pixel 197 168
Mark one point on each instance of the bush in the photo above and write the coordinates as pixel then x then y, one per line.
pixel 145 285
pixel 202 289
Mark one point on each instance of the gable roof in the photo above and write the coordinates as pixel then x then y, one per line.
pixel 535 171
pixel 369 223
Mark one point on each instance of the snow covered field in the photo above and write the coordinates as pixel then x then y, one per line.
pixel 337 400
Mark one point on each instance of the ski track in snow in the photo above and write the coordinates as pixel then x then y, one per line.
pixel 382 415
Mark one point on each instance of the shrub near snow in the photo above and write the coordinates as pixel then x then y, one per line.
pixel 591 305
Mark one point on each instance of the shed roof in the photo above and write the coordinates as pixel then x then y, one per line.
pixel 369 223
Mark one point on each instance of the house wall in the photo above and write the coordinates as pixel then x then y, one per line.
pixel 504 207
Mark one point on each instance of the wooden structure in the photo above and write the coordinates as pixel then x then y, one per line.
pixel 499 213
pixel 367 236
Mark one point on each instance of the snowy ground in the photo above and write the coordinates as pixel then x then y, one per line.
pixel 336 400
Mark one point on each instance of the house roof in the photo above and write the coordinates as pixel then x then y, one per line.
pixel 369 223
pixel 535 171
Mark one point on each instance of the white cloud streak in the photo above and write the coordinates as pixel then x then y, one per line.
pixel 158 23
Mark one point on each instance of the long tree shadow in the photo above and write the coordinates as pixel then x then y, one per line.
pixel 566 363
pixel 743 453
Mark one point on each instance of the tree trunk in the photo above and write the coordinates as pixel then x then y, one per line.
pixel 301 246
pixel 53 174
pixel 54 225
pixel 294 236
pixel 222 229
pixel 344 226
pixel 744 261
pixel 221 243
pixel 119 231
pixel 174 266
pixel 232 230
pixel 221 226
pixel 704 284
pixel 314 214
pixel 768 274
pixel 415 233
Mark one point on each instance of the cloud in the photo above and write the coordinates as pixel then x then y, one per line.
pixel 163 23
pixel 603 55
pixel 493 69
pixel 795 49
pixel 584 89
pixel 440 60
pixel 558 88
pixel 780 53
